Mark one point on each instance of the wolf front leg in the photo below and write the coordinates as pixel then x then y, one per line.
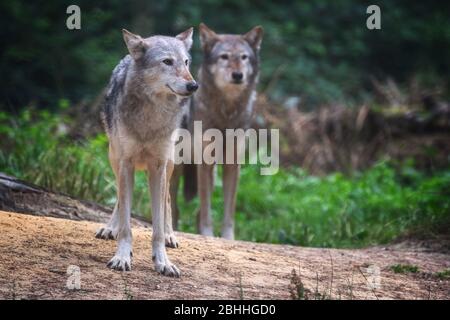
pixel 205 177
pixel 171 240
pixel 173 194
pixel 157 170
pixel 110 230
pixel 122 259
pixel 230 183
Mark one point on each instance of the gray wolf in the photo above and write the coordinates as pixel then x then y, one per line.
pixel 145 101
pixel 228 77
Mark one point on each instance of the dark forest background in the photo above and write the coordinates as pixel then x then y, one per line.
pixel 319 51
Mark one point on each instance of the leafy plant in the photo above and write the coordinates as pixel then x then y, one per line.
pixel 404 268
pixel 444 274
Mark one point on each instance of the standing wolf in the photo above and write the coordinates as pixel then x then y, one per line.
pixel 145 101
pixel 228 77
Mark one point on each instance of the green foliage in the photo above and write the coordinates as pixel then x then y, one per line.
pixel 444 274
pixel 404 268
pixel 36 148
pixel 372 207
pixel 320 50
pixel 293 207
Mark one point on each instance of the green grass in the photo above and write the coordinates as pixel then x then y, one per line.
pixel 37 149
pixel 404 268
pixel 444 274
pixel 370 207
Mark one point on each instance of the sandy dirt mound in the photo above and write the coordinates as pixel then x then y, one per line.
pixel 37 251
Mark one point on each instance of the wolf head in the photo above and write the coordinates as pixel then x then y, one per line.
pixel 163 62
pixel 232 60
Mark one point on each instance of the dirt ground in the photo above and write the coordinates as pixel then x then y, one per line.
pixel 37 251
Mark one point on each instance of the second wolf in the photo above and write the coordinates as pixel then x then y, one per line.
pixel 228 77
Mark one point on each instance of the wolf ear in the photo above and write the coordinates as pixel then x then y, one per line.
pixel 254 37
pixel 207 37
pixel 186 37
pixel 135 44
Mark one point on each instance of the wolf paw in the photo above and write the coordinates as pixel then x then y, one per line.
pixel 168 269
pixel 106 233
pixel 120 262
pixel 171 240
pixel 164 266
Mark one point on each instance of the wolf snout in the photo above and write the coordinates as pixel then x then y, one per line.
pixel 237 76
pixel 192 86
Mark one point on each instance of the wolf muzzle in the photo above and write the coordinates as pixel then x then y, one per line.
pixel 192 86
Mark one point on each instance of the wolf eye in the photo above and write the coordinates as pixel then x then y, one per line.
pixel 244 56
pixel 186 62
pixel 224 56
pixel 168 62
